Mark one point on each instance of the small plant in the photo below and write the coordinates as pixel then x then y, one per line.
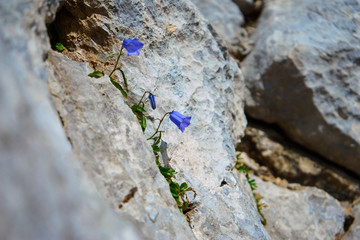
pixel 59 47
pixel 242 168
pixel 178 191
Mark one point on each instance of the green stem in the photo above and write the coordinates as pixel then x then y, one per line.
pixel 142 97
pixel 117 61
pixel 157 130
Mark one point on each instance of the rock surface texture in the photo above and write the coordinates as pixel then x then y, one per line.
pixel 225 17
pixel 44 194
pixel 306 213
pixel 51 181
pixel 108 146
pixel 307 80
pixel 189 71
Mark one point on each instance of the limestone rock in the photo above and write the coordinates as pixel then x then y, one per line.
pixel 308 213
pixel 189 71
pixel 44 194
pixel 227 20
pixel 303 75
pixel 225 17
pixel 109 142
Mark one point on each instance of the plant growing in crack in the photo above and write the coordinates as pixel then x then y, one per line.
pixel 178 191
pixel 242 168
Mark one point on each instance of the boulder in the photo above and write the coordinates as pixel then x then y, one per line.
pixel 44 193
pixel 188 70
pixel 303 75
pixel 225 17
pixel 108 145
pixel 304 213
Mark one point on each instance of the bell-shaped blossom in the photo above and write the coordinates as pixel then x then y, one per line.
pixel 152 101
pixel 180 120
pixel 132 46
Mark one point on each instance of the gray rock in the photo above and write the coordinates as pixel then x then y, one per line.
pixel 225 17
pixel 108 147
pixel 308 213
pixel 303 75
pixel 44 193
pixel 189 71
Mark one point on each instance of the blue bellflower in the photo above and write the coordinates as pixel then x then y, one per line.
pixel 152 101
pixel 180 120
pixel 132 46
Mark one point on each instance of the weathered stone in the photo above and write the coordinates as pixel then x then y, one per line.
pixel 108 141
pixel 303 75
pixel 285 159
pixel 227 20
pixel 44 194
pixel 308 213
pixel 189 71
pixel 225 17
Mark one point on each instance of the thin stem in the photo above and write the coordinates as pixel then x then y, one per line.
pixel 142 97
pixel 157 130
pixel 117 61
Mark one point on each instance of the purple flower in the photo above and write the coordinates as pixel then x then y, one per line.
pixel 180 120
pixel 152 101
pixel 132 46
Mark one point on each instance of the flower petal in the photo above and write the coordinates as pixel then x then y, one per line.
pixel 132 46
pixel 180 120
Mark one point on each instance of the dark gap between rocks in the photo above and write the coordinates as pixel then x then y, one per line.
pixel 349 220
pixel 82 31
pixel 284 162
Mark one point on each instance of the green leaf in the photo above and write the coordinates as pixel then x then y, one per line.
pixel 175 185
pixel 167 172
pixel 183 186
pixel 123 75
pixel 156 148
pixel 117 85
pixel 60 47
pixel 143 123
pixel 96 74
pixel 137 108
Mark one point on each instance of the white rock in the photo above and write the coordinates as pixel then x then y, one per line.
pixel 108 140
